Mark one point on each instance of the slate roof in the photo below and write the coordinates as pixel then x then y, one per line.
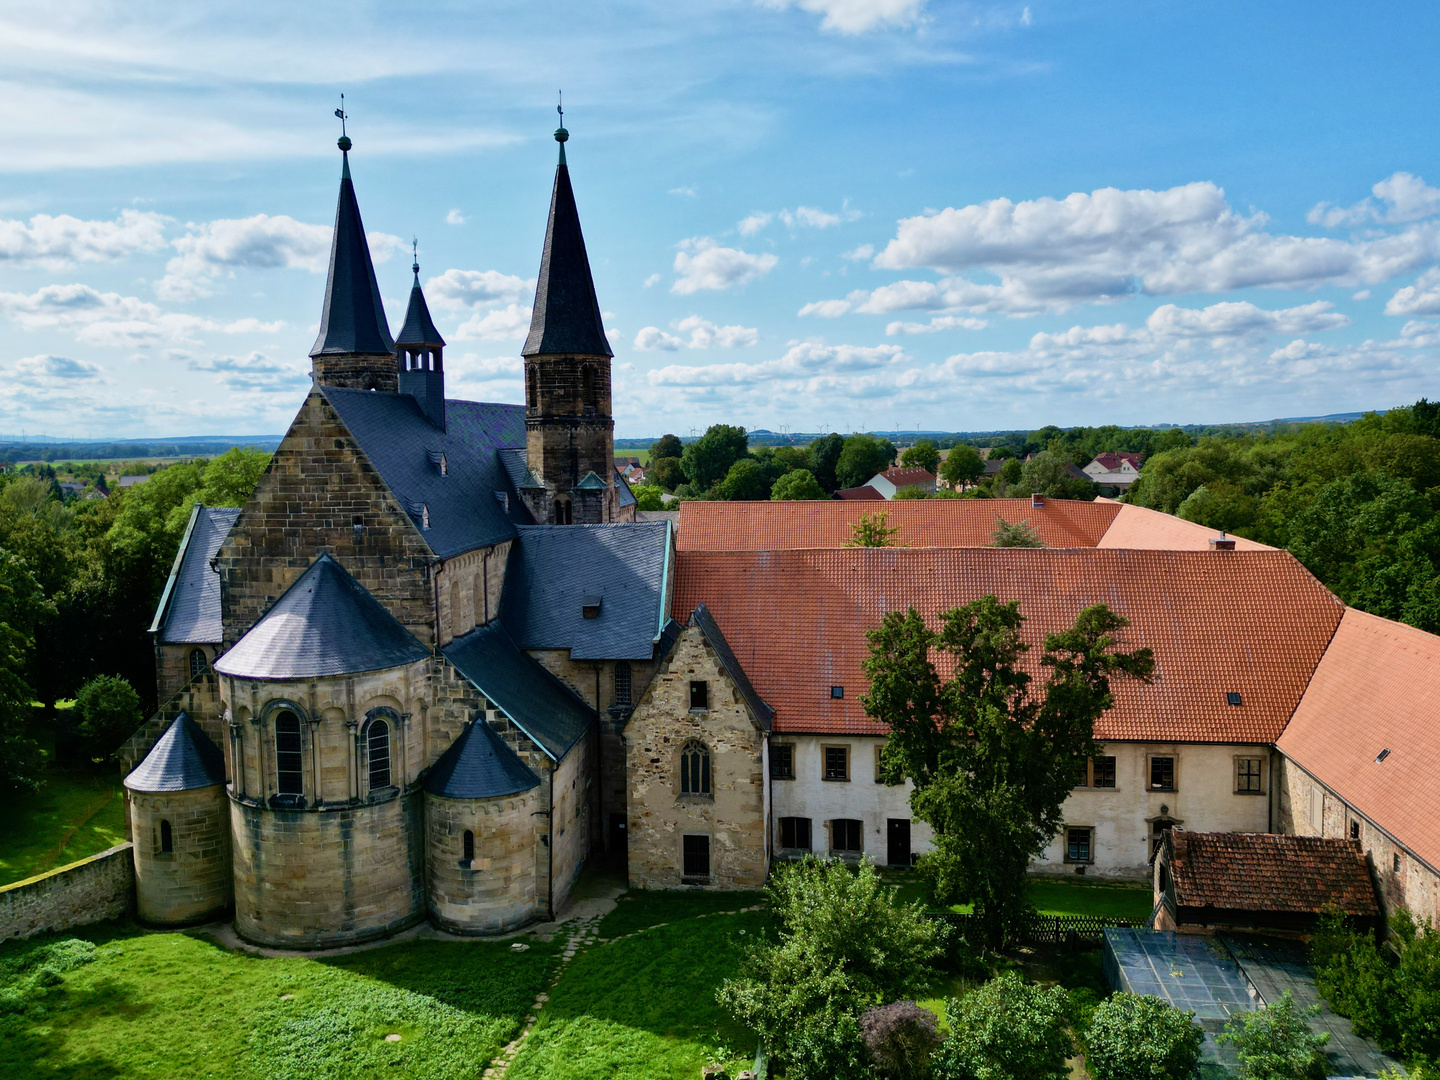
pixel 353 319
pixel 627 497
pixel 182 759
pixel 1270 873
pixel 1377 688
pixel 419 328
pixel 764 715
pixel 929 523
pixel 1141 527
pixel 479 765
pixel 324 624
pixel 538 703
pixel 1248 622
pixel 566 317
pixel 397 438
pixel 189 608
pixel 551 566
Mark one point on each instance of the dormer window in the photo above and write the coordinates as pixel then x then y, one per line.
pixel 444 466
pixel 590 607
pixel 425 515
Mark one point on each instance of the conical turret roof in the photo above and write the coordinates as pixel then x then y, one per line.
pixel 566 318
pixel 182 759
pixel 479 765
pixel 419 328
pixel 353 321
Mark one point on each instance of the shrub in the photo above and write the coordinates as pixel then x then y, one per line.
pixel 1276 1043
pixel 900 1039
pixel 109 713
pixel 1006 1030
pixel 1138 1037
pixel 648 497
pixel 797 484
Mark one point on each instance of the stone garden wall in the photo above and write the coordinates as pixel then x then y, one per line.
pixel 89 891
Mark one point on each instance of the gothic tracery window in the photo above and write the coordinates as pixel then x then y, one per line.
pixel 695 769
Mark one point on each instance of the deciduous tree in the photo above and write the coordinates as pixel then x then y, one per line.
pixel 708 458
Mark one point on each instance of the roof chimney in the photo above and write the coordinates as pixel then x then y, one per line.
pixel 1037 502
pixel 1222 542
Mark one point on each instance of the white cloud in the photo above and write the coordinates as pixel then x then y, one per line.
pixel 812 217
pixel 53 369
pixel 1025 17
pixel 460 289
pixel 1363 294
pixel 936 324
pixel 511 322
pixel 59 241
pixel 856 16
pixel 112 320
pixel 491 378
pixel 652 339
pixel 826 309
pixel 653 279
pixel 1421 298
pixel 254 373
pixel 751 225
pixel 1400 197
pixel 805 360
pixel 1300 349
pixel 703 335
pixel 688 192
pixel 703 264
pixel 454 217
pixel 864 251
pixel 1233 319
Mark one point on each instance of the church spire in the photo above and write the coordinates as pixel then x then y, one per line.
pixel 352 324
pixel 566 319
pixel 421 353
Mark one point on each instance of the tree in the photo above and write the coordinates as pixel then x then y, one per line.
pixel 923 455
pixel 844 946
pixel 962 466
pixel 22 606
pixel 910 492
pixel 1006 1030
pixel 797 484
pixel 744 482
pixel 824 458
pixel 228 480
pixel 1139 1037
pixel 1276 1043
pixel 109 713
pixel 708 458
pixel 1018 534
pixel 991 759
pixel 648 497
pixel 862 457
pixel 1047 474
pixel 872 530
pixel 900 1039
pixel 666 473
pixel 667 446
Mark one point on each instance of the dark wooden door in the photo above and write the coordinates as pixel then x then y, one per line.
pixel 897 841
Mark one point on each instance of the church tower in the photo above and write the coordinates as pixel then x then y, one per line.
pixel 354 348
pixel 569 431
pixel 421 356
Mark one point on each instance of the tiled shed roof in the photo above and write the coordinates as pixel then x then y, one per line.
pixel 189 611
pixel 1377 688
pixel 903 476
pixel 1267 872
pixel 1252 623
pixel 923 523
pixel 864 493
pixel 1141 527
pixel 182 759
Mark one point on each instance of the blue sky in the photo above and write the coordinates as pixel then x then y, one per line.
pixel 836 214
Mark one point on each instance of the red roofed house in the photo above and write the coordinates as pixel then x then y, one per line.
pixel 898 476
pixel 1114 470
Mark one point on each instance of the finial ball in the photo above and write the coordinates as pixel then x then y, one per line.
pixel 344 143
pixel 561 134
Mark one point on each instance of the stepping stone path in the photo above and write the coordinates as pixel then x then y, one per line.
pixel 581 938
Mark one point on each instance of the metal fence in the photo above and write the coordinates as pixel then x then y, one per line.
pixel 1049 929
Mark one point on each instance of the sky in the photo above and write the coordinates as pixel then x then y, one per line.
pixel 801 215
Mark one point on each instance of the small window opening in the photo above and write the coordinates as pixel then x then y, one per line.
pixel 532 390
pixel 695 866
pixel 1232 698
pixel 795 833
pixel 1382 755
pixel 1077 845
pixel 198 663
pixel 1354 830
pixel 167 839
pixel 289 761
pixel 1162 774
pixel 622 683
pixel 1395 863
pixel 695 769
pixel 782 762
pixel 359 525
pixel 837 692
pixel 379 747
pixel 699 694
pixel 837 763
pixel 590 607
pixel 589 392
pixel 468 847
pixel 1103 771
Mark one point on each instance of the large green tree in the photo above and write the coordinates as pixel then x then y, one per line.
pixel 963 465
pixel 23 607
pixel 797 484
pixel 991 754
pixel 667 446
pixel 708 458
pixel 744 482
pixel 825 457
pixel 923 455
pixel 861 458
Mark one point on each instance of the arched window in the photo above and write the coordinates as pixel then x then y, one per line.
pixel 289 761
pixel 378 745
pixel 562 512
pixel 167 839
pixel 468 846
pixel 532 390
pixel 622 683
pixel 198 663
pixel 695 769
pixel 589 392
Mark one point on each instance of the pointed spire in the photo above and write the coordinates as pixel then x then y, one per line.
pixel 419 328
pixel 566 318
pixel 353 321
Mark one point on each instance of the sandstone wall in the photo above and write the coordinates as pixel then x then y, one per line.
pixel 89 891
pixel 357 372
pixel 191 882
pixel 733 817
pixel 495 890
pixel 567 436
pixel 574 817
pixel 172 667
pixel 469 590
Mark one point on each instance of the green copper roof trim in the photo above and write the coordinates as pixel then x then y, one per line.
pixel 175 570
pixel 590 482
pixel 665 576
pixel 560 136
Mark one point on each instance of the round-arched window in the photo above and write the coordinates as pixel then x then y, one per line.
pixel 378 747
pixel 289 759
pixel 198 663
pixel 695 769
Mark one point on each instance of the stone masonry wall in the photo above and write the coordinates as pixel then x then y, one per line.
pixel 172 667
pixel 89 891
pixel 357 372
pixel 659 816
pixel 191 882
pixel 469 588
pixel 566 437
pixel 495 890
pixel 318 484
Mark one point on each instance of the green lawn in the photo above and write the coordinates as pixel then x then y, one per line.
pixel 640 907
pixel 76 814
pixel 173 1005
pixel 1057 896
pixel 644 1008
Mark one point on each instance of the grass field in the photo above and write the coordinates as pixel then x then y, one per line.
pixel 122 1004
pixel 1057 896
pixel 76 814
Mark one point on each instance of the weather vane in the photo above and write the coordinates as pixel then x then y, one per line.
pixel 340 112
pixel 560 108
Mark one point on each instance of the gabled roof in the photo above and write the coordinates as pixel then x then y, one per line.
pixel 863 493
pixel 764 715
pixel 353 319
pixel 538 703
pixel 907 476
pixel 1141 527
pixel 189 608
pixel 324 624
pixel 1111 461
pixel 419 328
pixel 182 759
pixel 479 765
pixel 1265 872
pixel 622 488
pixel 566 317
pixel 552 566
pixel 955 523
pixel 1248 622
pixel 397 438
pixel 1377 689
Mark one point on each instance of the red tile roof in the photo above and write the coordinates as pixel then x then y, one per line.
pixel 1141 527
pixel 1112 461
pixel 1253 623
pixel 1377 688
pixel 1270 873
pixel 902 476
pixel 952 523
